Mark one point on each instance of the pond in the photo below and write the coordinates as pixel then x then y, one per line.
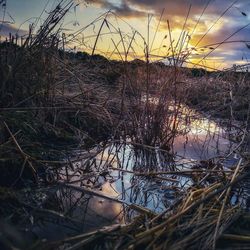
pixel 114 182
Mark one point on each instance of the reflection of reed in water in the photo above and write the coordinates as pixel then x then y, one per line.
pixel 80 212
pixel 134 181
pixel 152 159
pixel 205 139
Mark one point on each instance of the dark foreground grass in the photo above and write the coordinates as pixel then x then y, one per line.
pixel 54 102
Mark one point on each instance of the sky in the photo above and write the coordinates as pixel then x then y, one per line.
pixel 210 33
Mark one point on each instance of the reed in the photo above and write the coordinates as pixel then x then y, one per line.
pixel 71 121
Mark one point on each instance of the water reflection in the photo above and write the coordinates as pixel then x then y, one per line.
pixel 69 212
pixel 204 140
pixel 123 172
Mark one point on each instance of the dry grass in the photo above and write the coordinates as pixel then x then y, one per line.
pixel 54 101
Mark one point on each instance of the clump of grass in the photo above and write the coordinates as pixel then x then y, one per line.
pixel 46 102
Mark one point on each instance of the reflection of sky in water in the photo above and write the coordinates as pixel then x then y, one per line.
pixel 85 213
pixel 143 191
pixel 204 140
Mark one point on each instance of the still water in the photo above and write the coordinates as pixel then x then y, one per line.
pixel 114 173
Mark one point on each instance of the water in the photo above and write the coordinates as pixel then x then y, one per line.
pixel 205 140
pixel 115 172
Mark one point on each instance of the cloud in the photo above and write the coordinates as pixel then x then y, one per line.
pixel 217 21
pixel 6 29
pixel 176 11
pixel 124 9
pixel 225 32
pixel 180 7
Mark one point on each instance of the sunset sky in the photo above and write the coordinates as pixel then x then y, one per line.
pixel 208 23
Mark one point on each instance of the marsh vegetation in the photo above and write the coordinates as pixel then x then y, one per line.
pixel 97 153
